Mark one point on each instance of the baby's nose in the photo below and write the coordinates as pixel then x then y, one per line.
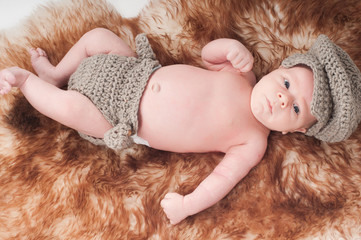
pixel 284 99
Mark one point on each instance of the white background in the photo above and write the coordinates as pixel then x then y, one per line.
pixel 12 12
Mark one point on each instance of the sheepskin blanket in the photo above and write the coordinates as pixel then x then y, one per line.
pixel 55 185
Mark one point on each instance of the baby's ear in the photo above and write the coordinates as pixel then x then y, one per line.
pixel 301 130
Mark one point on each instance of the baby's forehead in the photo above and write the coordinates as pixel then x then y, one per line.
pixel 302 80
pixel 302 74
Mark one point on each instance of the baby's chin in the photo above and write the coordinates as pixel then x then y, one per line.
pixel 258 112
pixel 259 118
pixel 271 126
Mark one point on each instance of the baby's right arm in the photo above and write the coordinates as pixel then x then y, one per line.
pixel 236 164
pixel 227 54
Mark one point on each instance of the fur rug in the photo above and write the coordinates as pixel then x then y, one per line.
pixel 54 185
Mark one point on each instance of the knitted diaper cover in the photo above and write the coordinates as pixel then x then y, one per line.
pixel 115 84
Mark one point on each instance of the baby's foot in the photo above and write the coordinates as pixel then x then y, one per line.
pixel 12 77
pixel 6 79
pixel 42 65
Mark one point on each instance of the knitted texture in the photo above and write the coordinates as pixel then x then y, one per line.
pixel 336 99
pixel 115 84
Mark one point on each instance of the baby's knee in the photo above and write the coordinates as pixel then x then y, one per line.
pixel 99 35
pixel 95 39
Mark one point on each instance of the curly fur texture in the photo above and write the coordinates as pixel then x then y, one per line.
pixel 54 185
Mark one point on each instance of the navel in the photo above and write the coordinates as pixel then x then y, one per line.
pixel 155 87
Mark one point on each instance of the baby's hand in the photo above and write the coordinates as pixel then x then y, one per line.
pixel 240 58
pixel 172 205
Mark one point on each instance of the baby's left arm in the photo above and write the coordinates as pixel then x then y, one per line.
pixel 236 164
pixel 227 54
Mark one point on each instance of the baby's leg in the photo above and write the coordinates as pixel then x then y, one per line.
pixel 96 41
pixel 67 107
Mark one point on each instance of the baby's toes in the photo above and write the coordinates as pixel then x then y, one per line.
pixel 9 78
pixel 5 87
pixel 33 54
pixel 41 52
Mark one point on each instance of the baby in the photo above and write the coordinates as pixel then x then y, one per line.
pixel 116 97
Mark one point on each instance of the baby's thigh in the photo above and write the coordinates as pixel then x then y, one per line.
pixel 104 41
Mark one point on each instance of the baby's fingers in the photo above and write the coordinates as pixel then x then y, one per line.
pixel 242 61
pixel 245 65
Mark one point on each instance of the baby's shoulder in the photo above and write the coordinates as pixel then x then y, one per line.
pixel 250 77
pixel 258 138
pixel 254 148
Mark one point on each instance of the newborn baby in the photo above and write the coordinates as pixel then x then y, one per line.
pixel 116 97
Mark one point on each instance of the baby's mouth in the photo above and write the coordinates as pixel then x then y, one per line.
pixel 269 106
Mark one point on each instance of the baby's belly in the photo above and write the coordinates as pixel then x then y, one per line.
pixel 177 113
pixel 168 123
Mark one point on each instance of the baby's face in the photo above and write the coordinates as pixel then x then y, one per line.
pixel 281 100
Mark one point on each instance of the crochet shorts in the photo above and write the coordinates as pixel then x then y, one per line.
pixel 115 84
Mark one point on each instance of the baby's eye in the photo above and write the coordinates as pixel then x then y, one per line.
pixel 287 84
pixel 296 109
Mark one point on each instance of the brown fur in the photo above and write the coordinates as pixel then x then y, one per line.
pixel 54 185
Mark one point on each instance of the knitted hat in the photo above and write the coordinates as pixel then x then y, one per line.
pixel 336 99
